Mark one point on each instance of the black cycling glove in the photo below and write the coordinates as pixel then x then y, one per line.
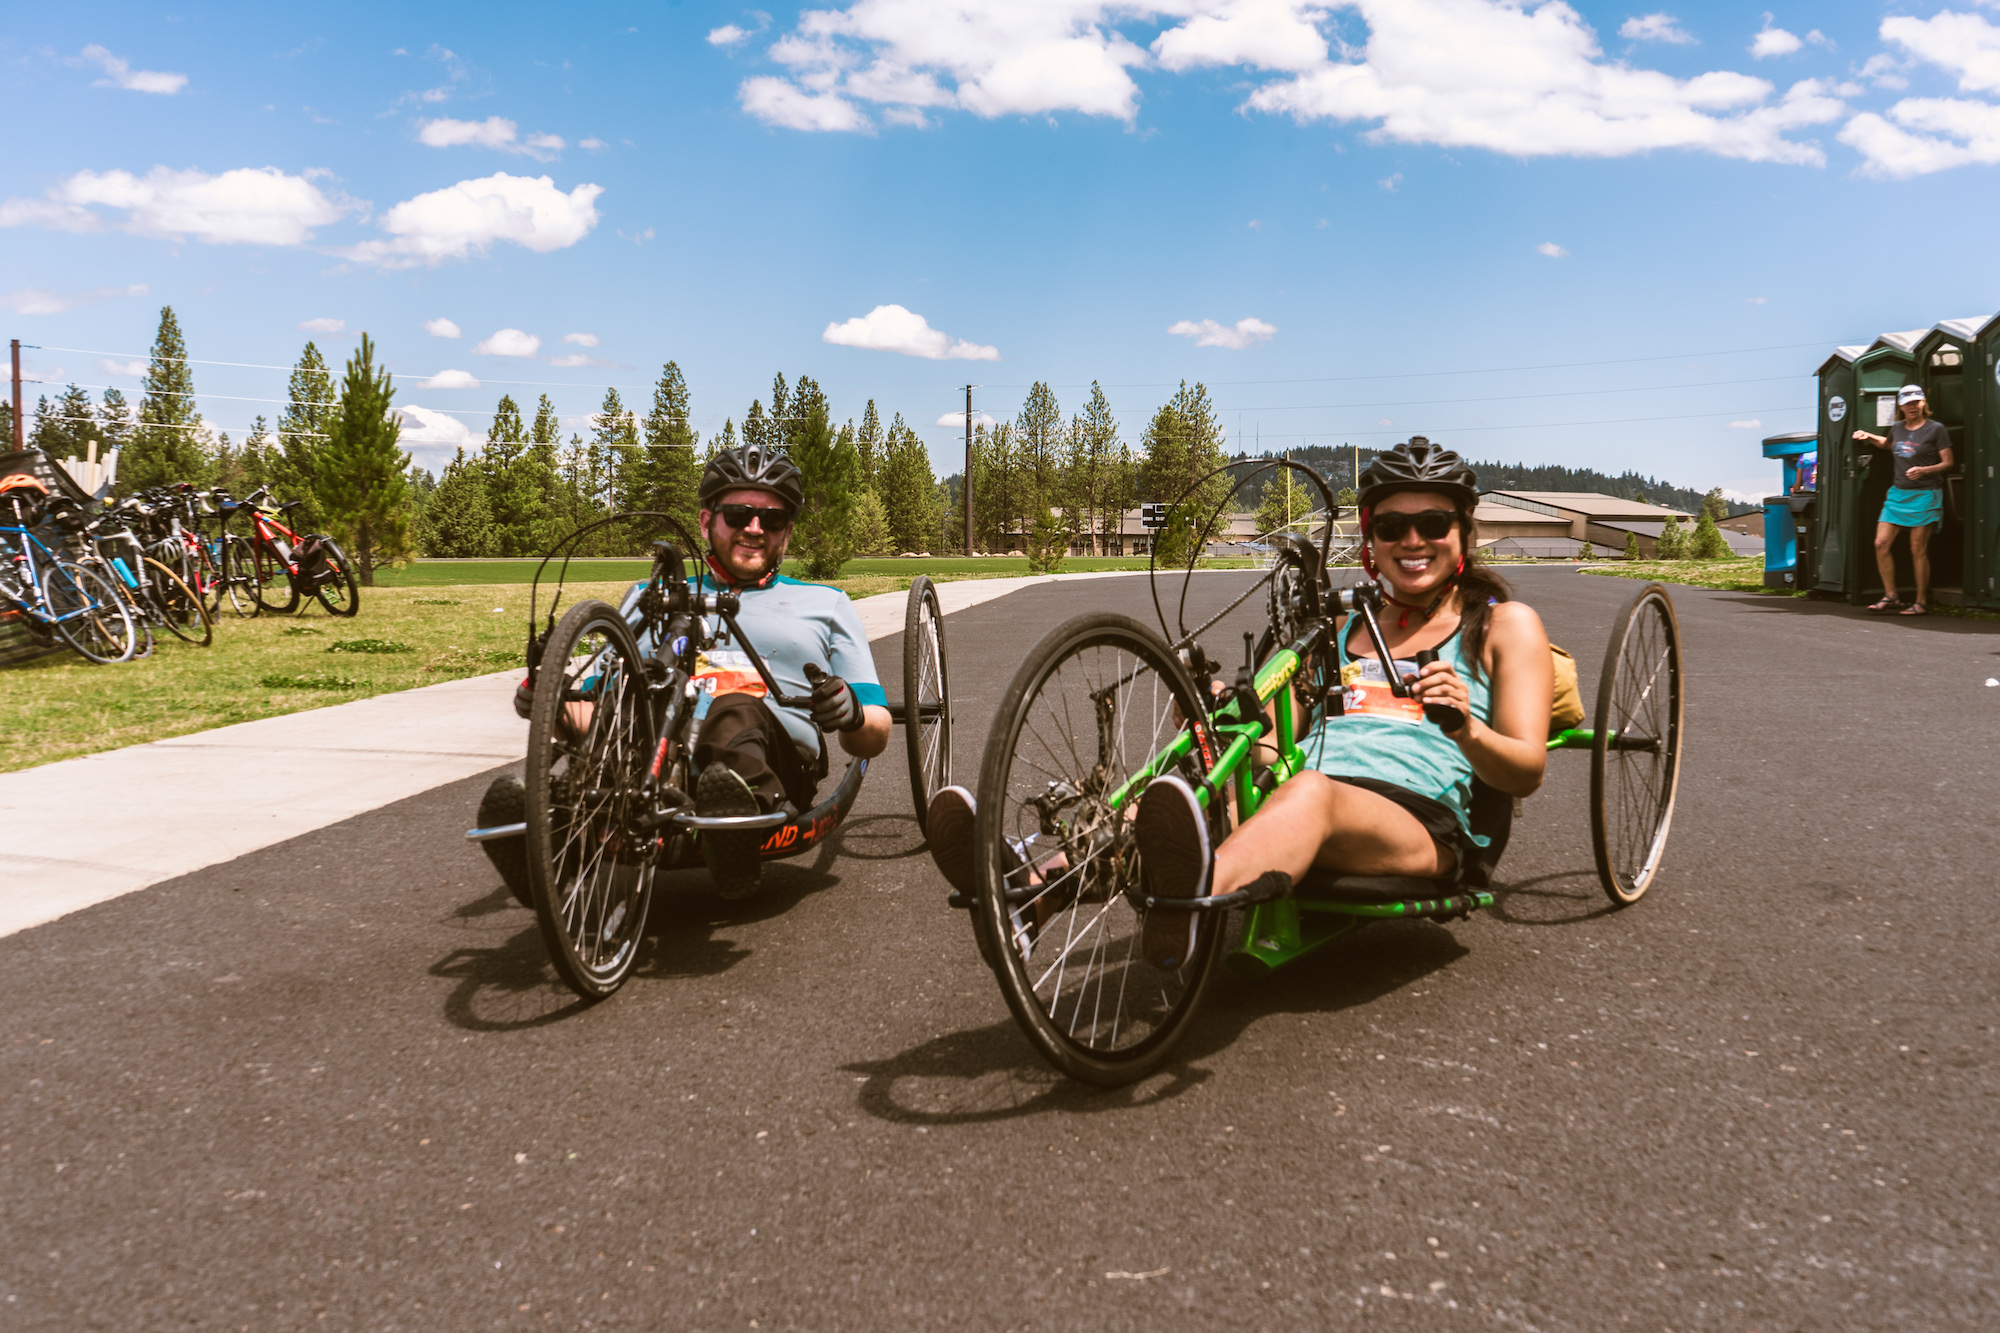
pixel 834 707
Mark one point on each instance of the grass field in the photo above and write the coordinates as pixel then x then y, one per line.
pixel 1744 574
pixel 440 573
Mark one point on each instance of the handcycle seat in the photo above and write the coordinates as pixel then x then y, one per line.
pixel 1492 819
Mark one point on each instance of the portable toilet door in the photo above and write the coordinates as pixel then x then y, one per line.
pixel 1832 516
pixel 1879 373
pixel 1944 369
pixel 1980 455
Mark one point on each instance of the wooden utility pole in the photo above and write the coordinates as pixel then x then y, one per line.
pixel 968 450
pixel 18 437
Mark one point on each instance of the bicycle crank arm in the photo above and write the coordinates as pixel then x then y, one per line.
pixel 497 832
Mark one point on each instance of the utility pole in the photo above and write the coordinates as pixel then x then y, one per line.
pixel 968 450
pixel 18 437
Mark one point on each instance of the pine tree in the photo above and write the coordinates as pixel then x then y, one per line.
pixel 511 498
pixel 114 421
pixel 758 428
pixel 363 479
pixel 256 455
pixel 302 431
pixel 1283 500
pixel 7 424
pixel 457 522
pixel 1039 427
pixel 908 489
pixel 718 443
pixel 871 445
pixel 167 445
pixel 550 507
pixel 614 445
pixel 829 468
pixel 46 432
pixel 1183 443
pixel 1707 541
pixel 869 526
pixel 1631 546
pixel 1714 505
pixel 670 472
pixel 1093 492
pixel 1671 544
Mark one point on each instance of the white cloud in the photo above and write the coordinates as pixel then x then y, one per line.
pixel 1656 28
pixel 592 144
pixel 1965 45
pixel 451 379
pixel 509 342
pixel 1927 134
pixel 728 35
pixel 581 339
pixel 1883 70
pixel 956 420
pixel 1552 250
pixel 493 132
pixel 422 426
pixel 467 218
pixel 442 328
pixel 42 301
pixel 574 359
pixel 1752 424
pixel 1532 82
pixel 1755 300
pixel 1772 41
pixel 1243 333
pixel 134 369
pixel 1493 74
pixel 248 206
pixel 120 74
pixel 1388 183
pixel 323 326
pixel 891 328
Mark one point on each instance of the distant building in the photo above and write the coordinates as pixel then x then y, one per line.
pixel 1605 521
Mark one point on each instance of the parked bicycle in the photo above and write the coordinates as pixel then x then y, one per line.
pixel 282 568
pixel 57 598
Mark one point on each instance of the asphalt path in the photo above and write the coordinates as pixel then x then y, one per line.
pixel 334 1084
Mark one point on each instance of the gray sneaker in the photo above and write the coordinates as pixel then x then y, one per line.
pixel 734 862
pixel 1172 833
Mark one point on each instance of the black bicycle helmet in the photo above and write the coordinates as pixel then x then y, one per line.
pixel 1418 465
pixel 754 466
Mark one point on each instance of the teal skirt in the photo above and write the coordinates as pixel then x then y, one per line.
pixel 1908 508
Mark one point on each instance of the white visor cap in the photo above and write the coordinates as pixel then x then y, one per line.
pixel 1909 393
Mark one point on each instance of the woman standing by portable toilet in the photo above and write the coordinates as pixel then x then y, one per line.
pixel 1862 475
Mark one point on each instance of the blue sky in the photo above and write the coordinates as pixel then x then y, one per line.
pixel 1600 235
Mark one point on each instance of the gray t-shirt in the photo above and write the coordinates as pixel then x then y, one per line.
pixel 1921 447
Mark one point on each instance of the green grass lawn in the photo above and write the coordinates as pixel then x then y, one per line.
pixel 439 573
pixel 1735 574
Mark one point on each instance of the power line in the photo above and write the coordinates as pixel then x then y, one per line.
pixel 1550 425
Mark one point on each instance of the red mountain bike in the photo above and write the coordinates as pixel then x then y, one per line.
pixel 286 568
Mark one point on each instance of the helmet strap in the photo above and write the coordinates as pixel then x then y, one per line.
pixel 724 578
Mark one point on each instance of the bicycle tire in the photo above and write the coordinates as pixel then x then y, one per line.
pixel 1635 750
pixel 274 590
pixel 176 607
pixel 239 579
pixel 926 689
pixel 90 617
pixel 1094 1025
pixel 590 874
pixel 336 589
pixel 128 598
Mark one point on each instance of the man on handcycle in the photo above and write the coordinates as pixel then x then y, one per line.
pixel 1386 792
pixel 752 756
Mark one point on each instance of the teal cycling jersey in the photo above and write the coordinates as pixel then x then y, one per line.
pixel 790 623
pixel 1386 738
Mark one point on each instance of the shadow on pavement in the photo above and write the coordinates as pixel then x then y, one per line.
pixel 1565 898
pixel 1934 623
pixel 992 1073
pixel 880 838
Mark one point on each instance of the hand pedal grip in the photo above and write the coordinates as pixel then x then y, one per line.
pixel 1443 716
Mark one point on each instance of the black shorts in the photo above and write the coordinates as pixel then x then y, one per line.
pixel 1435 816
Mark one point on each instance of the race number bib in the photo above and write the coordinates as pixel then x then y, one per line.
pixel 724 671
pixel 1368 694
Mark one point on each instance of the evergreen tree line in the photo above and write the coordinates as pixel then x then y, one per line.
pixel 334 449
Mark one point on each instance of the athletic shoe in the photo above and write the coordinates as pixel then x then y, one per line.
pixel 506 802
pixel 1172 833
pixel 733 861
pixel 949 823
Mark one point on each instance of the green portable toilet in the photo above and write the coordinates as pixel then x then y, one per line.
pixel 1827 549
pixel 1944 369
pixel 1979 454
pixel 1854 478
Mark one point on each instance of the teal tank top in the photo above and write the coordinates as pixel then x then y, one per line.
pixel 1386 738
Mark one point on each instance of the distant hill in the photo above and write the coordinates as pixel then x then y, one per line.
pixel 1337 466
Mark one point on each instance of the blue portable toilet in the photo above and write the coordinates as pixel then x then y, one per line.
pixel 1788 518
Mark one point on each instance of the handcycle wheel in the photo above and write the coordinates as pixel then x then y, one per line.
pixel 926 697
pixel 238 581
pixel 274 589
pixel 590 741
pixel 1094 702
pixel 175 606
pixel 1636 749
pixel 336 589
pixel 91 617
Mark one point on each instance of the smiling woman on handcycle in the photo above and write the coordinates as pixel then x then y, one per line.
pixel 1388 793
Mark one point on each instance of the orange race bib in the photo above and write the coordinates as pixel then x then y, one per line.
pixel 719 671
pixel 1368 695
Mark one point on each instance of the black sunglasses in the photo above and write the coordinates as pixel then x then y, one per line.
pixel 1431 524
pixel 739 516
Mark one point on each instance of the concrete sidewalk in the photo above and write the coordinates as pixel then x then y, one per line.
pixel 82 831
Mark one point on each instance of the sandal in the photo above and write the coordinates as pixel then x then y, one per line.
pixel 1915 609
pixel 1891 603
